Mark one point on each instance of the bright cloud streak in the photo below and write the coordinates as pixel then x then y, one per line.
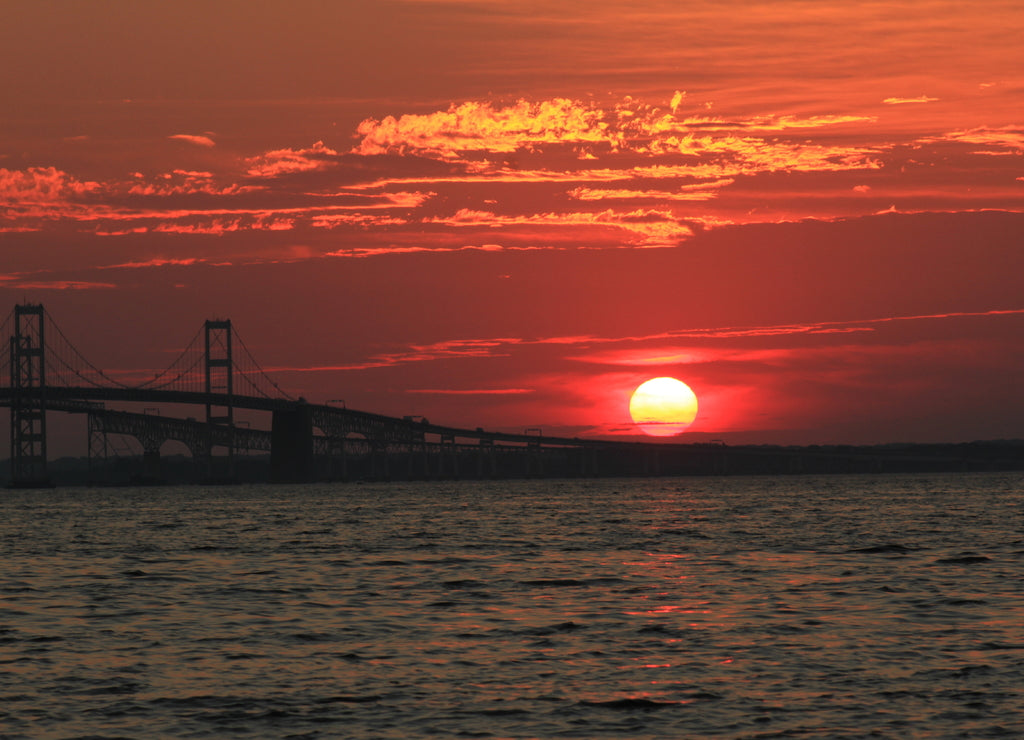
pixel 903 101
pixel 474 126
pixel 287 161
pixel 472 392
pixel 501 346
pixel 198 140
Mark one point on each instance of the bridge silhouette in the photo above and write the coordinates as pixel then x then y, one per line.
pixel 218 379
pixel 216 375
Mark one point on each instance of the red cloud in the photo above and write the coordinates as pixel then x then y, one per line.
pixel 185 182
pixel 41 185
pixel 215 226
pixel 472 392
pixel 205 141
pixel 59 285
pixel 1010 137
pixel 475 126
pixel 664 353
pixel 629 126
pixel 648 227
pixel 685 192
pixel 155 262
pixel 903 101
pixel 285 161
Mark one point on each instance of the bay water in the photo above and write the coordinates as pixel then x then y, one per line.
pixel 887 606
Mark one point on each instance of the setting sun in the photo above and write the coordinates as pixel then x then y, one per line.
pixel 663 407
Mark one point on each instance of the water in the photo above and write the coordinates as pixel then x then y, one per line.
pixel 790 607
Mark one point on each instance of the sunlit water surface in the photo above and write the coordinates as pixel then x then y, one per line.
pixel 804 607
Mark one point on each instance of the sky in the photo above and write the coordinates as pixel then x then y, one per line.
pixel 508 215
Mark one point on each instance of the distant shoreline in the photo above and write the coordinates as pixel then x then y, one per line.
pixel 628 460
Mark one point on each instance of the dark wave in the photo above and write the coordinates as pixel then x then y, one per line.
pixel 630 704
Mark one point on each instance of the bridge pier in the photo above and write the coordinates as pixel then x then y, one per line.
pixel 380 462
pixel 534 460
pixel 151 464
pixel 338 462
pixel 291 445
pixel 588 461
pixel 485 463
pixel 651 463
pixel 447 450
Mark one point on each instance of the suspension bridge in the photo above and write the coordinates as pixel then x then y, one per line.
pixel 217 377
pixel 215 381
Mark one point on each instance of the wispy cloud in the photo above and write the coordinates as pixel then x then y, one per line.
pixel 198 140
pixel 57 285
pixel 660 354
pixel 287 161
pixel 818 327
pixel 472 391
pixel 649 227
pixel 41 185
pixel 361 252
pixel 181 182
pixel 591 131
pixel 155 262
pixel 904 101
pixel 1010 138
pixel 482 127
pixel 685 192
pixel 553 173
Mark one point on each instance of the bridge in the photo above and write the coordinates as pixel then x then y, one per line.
pixel 230 410
pixel 217 377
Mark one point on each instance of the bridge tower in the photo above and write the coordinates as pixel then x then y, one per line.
pixel 28 399
pixel 219 367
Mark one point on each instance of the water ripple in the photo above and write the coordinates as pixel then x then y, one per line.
pixel 840 607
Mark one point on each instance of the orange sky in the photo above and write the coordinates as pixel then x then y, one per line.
pixel 509 215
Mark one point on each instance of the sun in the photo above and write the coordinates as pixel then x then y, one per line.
pixel 663 407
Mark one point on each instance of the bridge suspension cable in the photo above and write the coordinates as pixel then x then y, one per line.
pixel 5 350
pixel 185 373
pixel 252 373
pixel 67 366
